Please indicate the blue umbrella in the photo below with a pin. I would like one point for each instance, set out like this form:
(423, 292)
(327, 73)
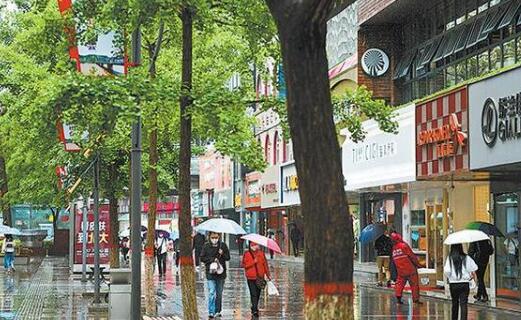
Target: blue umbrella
(371, 232)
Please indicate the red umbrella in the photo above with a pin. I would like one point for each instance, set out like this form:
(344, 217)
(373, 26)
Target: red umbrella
(263, 241)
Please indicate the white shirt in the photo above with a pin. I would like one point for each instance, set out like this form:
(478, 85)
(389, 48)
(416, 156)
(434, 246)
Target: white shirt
(468, 266)
(162, 245)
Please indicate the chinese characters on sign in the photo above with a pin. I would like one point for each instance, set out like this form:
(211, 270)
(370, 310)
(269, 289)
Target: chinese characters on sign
(104, 228)
(447, 137)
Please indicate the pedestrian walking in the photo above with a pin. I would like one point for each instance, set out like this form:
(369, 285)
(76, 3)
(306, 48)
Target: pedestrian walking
(271, 235)
(407, 265)
(480, 252)
(177, 252)
(161, 251)
(8, 251)
(214, 255)
(257, 274)
(295, 237)
(198, 243)
(125, 248)
(383, 246)
(460, 271)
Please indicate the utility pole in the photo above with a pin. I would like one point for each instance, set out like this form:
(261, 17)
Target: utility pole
(84, 229)
(135, 197)
(96, 230)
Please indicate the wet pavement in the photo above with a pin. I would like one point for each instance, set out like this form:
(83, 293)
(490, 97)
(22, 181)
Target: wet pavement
(47, 291)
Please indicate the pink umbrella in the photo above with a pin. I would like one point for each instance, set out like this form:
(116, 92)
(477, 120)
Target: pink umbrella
(263, 241)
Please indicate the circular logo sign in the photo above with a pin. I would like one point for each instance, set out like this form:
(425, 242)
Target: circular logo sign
(375, 62)
(489, 122)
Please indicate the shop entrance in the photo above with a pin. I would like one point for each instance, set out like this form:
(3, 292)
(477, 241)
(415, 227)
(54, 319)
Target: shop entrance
(435, 237)
(507, 219)
(379, 207)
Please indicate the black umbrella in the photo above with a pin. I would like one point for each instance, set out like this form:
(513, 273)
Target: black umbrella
(486, 227)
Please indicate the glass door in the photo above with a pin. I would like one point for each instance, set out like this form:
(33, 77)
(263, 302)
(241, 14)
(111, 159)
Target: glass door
(435, 239)
(507, 217)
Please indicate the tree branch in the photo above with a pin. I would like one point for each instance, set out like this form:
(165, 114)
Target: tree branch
(157, 47)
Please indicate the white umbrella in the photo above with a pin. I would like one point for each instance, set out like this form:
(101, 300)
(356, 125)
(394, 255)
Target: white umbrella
(466, 236)
(8, 230)
(221, 225)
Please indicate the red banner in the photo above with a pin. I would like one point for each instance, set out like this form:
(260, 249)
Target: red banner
(104, 238)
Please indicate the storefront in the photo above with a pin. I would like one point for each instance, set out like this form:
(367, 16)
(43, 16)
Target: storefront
(273, 218)
(448, 196)
(252, 203)
(378, 169)
(290, 201)
(495, 114)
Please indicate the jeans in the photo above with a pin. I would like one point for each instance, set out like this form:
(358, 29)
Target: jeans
(255, 293)
(8, 260)
(459, 293)
(295, 247)
(215, 296)
(161, 263)
(480, 273)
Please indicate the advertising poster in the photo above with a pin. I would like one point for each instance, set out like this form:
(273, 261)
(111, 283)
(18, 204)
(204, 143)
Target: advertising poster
(104, 232)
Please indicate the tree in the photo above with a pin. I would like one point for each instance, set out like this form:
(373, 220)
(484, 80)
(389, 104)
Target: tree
(328, 225)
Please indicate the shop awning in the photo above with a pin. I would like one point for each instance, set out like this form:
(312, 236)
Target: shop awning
(510, 15)
(404, 65)
(473, 37)
(493, 18)
(428, 52)
(462, 41)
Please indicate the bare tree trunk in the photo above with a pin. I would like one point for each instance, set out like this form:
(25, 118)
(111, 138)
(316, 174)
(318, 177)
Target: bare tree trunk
(150, 303)
(328, 226)
(4, 203)
(185, 152)
(113, 215)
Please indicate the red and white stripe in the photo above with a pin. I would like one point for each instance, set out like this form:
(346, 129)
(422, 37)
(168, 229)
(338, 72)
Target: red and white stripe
(433, 114)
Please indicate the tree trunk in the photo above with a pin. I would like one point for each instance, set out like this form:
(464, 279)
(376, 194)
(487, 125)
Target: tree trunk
(185, 152)
(328, 225)
(113, 216)
(150, 303)
(4, 203)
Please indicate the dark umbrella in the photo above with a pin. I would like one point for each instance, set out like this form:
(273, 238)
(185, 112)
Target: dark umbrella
(372, 232)
(486, 227)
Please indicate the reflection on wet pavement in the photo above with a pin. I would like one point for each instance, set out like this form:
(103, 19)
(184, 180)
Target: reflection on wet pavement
(49, 292)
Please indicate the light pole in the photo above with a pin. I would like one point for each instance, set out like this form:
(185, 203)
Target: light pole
(96, 231)
(135, 198)
(85, 229)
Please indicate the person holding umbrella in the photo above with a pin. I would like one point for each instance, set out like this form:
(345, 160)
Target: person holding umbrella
(383, 246)
(460, 271)
(480, 252)
(257, 273)
(8, 250)
(214, 256)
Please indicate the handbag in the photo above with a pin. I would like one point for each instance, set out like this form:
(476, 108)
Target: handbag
(272, 290)
(259, 282)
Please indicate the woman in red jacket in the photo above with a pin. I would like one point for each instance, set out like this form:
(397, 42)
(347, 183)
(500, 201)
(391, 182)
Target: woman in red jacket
(255, 267)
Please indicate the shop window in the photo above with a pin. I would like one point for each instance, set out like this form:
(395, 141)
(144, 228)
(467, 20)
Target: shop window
(418, 231)
(495, 58)
(483, 63)
(472, 67)
(276, 148)
(509, 53)
(450, 76)
(461, 71)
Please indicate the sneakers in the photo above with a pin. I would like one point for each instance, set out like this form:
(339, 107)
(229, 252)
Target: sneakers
(211, 317)
(218, 315)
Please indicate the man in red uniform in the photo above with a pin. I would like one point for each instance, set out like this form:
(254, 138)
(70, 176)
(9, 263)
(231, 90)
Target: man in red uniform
(407, 265)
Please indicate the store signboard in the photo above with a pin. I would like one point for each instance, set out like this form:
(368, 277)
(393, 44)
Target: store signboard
(382, 158)
(223, 199)
(442, 135)
(270, 186)
(253, 190)
(104, 229)
(495, 120)
(289, 195)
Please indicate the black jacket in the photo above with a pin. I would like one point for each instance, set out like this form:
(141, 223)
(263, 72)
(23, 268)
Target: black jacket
(199, 241)
(481, 251)
(383, 246)
(210, 253)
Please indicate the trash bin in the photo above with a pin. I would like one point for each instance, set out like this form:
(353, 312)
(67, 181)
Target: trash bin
(119, 294)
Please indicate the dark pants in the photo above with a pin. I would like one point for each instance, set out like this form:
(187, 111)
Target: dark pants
(459, 293)
(295, 247)
(255, 293)
(480, 273)
(198, 256)
(271, 254)
(161, 263)
(177, 255)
